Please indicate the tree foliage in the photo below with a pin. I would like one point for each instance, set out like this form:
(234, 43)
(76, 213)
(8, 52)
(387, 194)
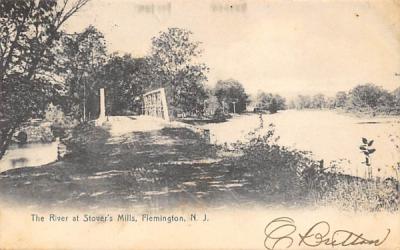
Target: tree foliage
(365, 98)
(396, 96)
(175, 66)
(319, 101)
(125, 79)
(367, 95)
(270, 102)
(231, 95)
(340, 99)
(302, 102)
(29, 30)
(80, 59)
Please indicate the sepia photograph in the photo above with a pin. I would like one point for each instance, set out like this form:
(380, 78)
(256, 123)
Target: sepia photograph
(215, 124)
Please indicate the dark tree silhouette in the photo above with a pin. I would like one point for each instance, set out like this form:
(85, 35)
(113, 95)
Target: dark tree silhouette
(29, 29)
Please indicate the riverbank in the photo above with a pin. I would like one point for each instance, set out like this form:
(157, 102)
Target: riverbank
(367, 113)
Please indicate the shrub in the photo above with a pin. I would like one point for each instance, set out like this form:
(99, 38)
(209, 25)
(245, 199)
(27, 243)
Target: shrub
(356, 194)
(60, 123)
(270, 168)
(273, 107)
(220, 116)
(82, 137)
(281, 174)
(22, 137)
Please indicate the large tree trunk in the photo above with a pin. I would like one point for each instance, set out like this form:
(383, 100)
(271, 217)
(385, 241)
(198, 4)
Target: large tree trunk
(5, 139)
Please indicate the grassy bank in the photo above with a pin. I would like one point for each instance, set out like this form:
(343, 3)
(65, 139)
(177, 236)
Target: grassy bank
(382, 112)
(291, 176)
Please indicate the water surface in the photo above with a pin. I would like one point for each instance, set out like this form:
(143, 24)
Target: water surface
(327, 134)
(29, 155)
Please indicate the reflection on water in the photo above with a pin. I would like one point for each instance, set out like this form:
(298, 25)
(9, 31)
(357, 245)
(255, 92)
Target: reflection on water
(19, 162)
(29, 155)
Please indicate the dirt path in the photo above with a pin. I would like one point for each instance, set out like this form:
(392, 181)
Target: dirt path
(128, 163)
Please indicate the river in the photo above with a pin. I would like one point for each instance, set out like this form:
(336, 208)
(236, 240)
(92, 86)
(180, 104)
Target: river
(29, 155)
(327, 134)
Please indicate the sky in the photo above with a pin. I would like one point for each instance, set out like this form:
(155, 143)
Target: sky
(285, 47)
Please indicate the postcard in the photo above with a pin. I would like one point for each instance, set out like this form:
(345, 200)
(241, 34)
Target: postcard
(215, 124)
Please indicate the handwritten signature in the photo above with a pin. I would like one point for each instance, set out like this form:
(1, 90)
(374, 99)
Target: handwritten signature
(280, 233)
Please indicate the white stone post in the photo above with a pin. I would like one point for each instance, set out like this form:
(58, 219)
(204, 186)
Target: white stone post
(102, 104)
(102, 116)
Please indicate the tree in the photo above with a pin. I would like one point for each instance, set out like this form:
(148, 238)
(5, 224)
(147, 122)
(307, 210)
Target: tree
(318, 101)
(366, 96)
(126, 79)
(340, 99)
(280, 101)
(174, 59)
(302, 102)
(268, 101)
(28, 31)
(231, 95)
(263, 100)
(396, 96)
(386, 99)
(212, 104)
(273, 107)
(81, 58)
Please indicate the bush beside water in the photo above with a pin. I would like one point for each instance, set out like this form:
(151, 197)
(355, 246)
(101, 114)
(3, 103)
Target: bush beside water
(292, 177)
(35, 132)
(220, 116)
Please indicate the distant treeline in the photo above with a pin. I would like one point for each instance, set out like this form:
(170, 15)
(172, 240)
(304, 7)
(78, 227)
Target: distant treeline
(269, 102)
(366, 98)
